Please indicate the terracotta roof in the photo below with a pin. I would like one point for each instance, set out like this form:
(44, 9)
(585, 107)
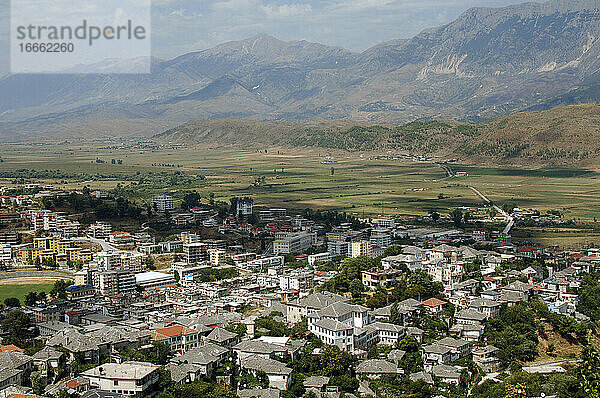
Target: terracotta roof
(73, 383)
(24, 396)
(434, 302)
(11, 347)
(176, 330)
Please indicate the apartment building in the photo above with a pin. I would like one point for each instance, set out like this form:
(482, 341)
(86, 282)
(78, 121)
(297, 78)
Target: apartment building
(114, 283)
(286, 243)
(163, 203)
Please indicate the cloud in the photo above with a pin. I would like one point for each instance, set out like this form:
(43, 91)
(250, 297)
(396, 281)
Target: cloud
(191, 25)
(287, 10)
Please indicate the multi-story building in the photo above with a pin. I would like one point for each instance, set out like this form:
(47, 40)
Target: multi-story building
(5, 253)
(293, 242)
(301, 281)
(194, 252)
(120, 260)
(339, 248)
(119, 237)
(384, 222)
(114, 283)
(379, 278)
(217, 256)
(127, 378)
(163, 203)
(344, 325)
(360, 248)
(244, 206)
(179, 338)
(100, 229)
(381, 238)
(313, 258)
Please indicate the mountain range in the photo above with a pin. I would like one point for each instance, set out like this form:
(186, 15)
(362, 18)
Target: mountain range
(487, 63)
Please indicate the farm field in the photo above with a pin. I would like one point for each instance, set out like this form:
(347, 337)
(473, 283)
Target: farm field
(321, 179)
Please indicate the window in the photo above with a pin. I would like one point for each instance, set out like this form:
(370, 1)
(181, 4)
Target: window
(115, 382)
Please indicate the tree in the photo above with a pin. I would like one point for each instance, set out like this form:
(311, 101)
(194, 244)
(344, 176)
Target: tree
(17, 324)
(31, 298)
(515, 391)
(435, 216)
(59, 288)
(12, 302)
(457, 216)
(588, 372)
(356, 287)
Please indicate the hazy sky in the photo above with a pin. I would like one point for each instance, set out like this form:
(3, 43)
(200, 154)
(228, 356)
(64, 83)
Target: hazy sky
(180, 26)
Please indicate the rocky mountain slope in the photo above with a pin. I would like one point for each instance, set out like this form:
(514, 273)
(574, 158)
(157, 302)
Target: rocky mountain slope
(489, 62)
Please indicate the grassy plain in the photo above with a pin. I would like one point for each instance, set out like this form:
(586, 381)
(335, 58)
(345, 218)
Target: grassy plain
(18, 289)
(303, 178)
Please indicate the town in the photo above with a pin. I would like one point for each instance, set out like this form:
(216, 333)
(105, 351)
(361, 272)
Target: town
(196, 298)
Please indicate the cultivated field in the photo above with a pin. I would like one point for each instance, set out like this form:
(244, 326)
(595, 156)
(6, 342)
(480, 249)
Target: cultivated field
(301, 178)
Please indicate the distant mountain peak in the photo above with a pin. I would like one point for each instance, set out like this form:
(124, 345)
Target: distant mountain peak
(486, 63)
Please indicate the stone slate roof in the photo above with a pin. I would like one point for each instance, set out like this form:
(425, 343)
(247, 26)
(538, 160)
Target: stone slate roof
(258, 347)
(445, 372)
(74, 341)
(259, 393)
(318, 301)
(332, 324)
(269, 366)
(453, 343)
(179, 372)
(13, 359)
(421, 376)
(436, 349)
(396, 355)
(47, 353)
(377, 366)
(221, 335)
(316, 381)
(470, 314)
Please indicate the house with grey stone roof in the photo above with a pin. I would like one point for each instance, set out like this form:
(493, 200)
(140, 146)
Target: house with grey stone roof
(375, 368)
(222, 337)
(258, 348)
(302, 307)
(426, 377)
(278, 374)
(447, 374)
(396, 356)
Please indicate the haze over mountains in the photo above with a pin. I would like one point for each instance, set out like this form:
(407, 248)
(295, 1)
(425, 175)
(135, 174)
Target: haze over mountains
(487, 63)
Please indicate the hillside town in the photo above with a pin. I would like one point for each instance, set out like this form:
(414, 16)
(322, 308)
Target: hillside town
(233, 299)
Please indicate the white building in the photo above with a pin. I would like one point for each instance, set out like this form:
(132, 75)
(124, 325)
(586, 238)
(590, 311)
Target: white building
(313, 258)
(5, 253)
(244, 206)
(163, 203)
(286, 243)
(300, 281)
(127, 378)
(360, 248)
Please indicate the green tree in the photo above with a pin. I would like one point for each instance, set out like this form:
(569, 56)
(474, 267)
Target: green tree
(588, 372)
(457, 216)
(31, 298)
(12, 302)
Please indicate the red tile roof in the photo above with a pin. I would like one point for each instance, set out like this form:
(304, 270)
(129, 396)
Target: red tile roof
(434, 302)
(176, 330)
(11, 347)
